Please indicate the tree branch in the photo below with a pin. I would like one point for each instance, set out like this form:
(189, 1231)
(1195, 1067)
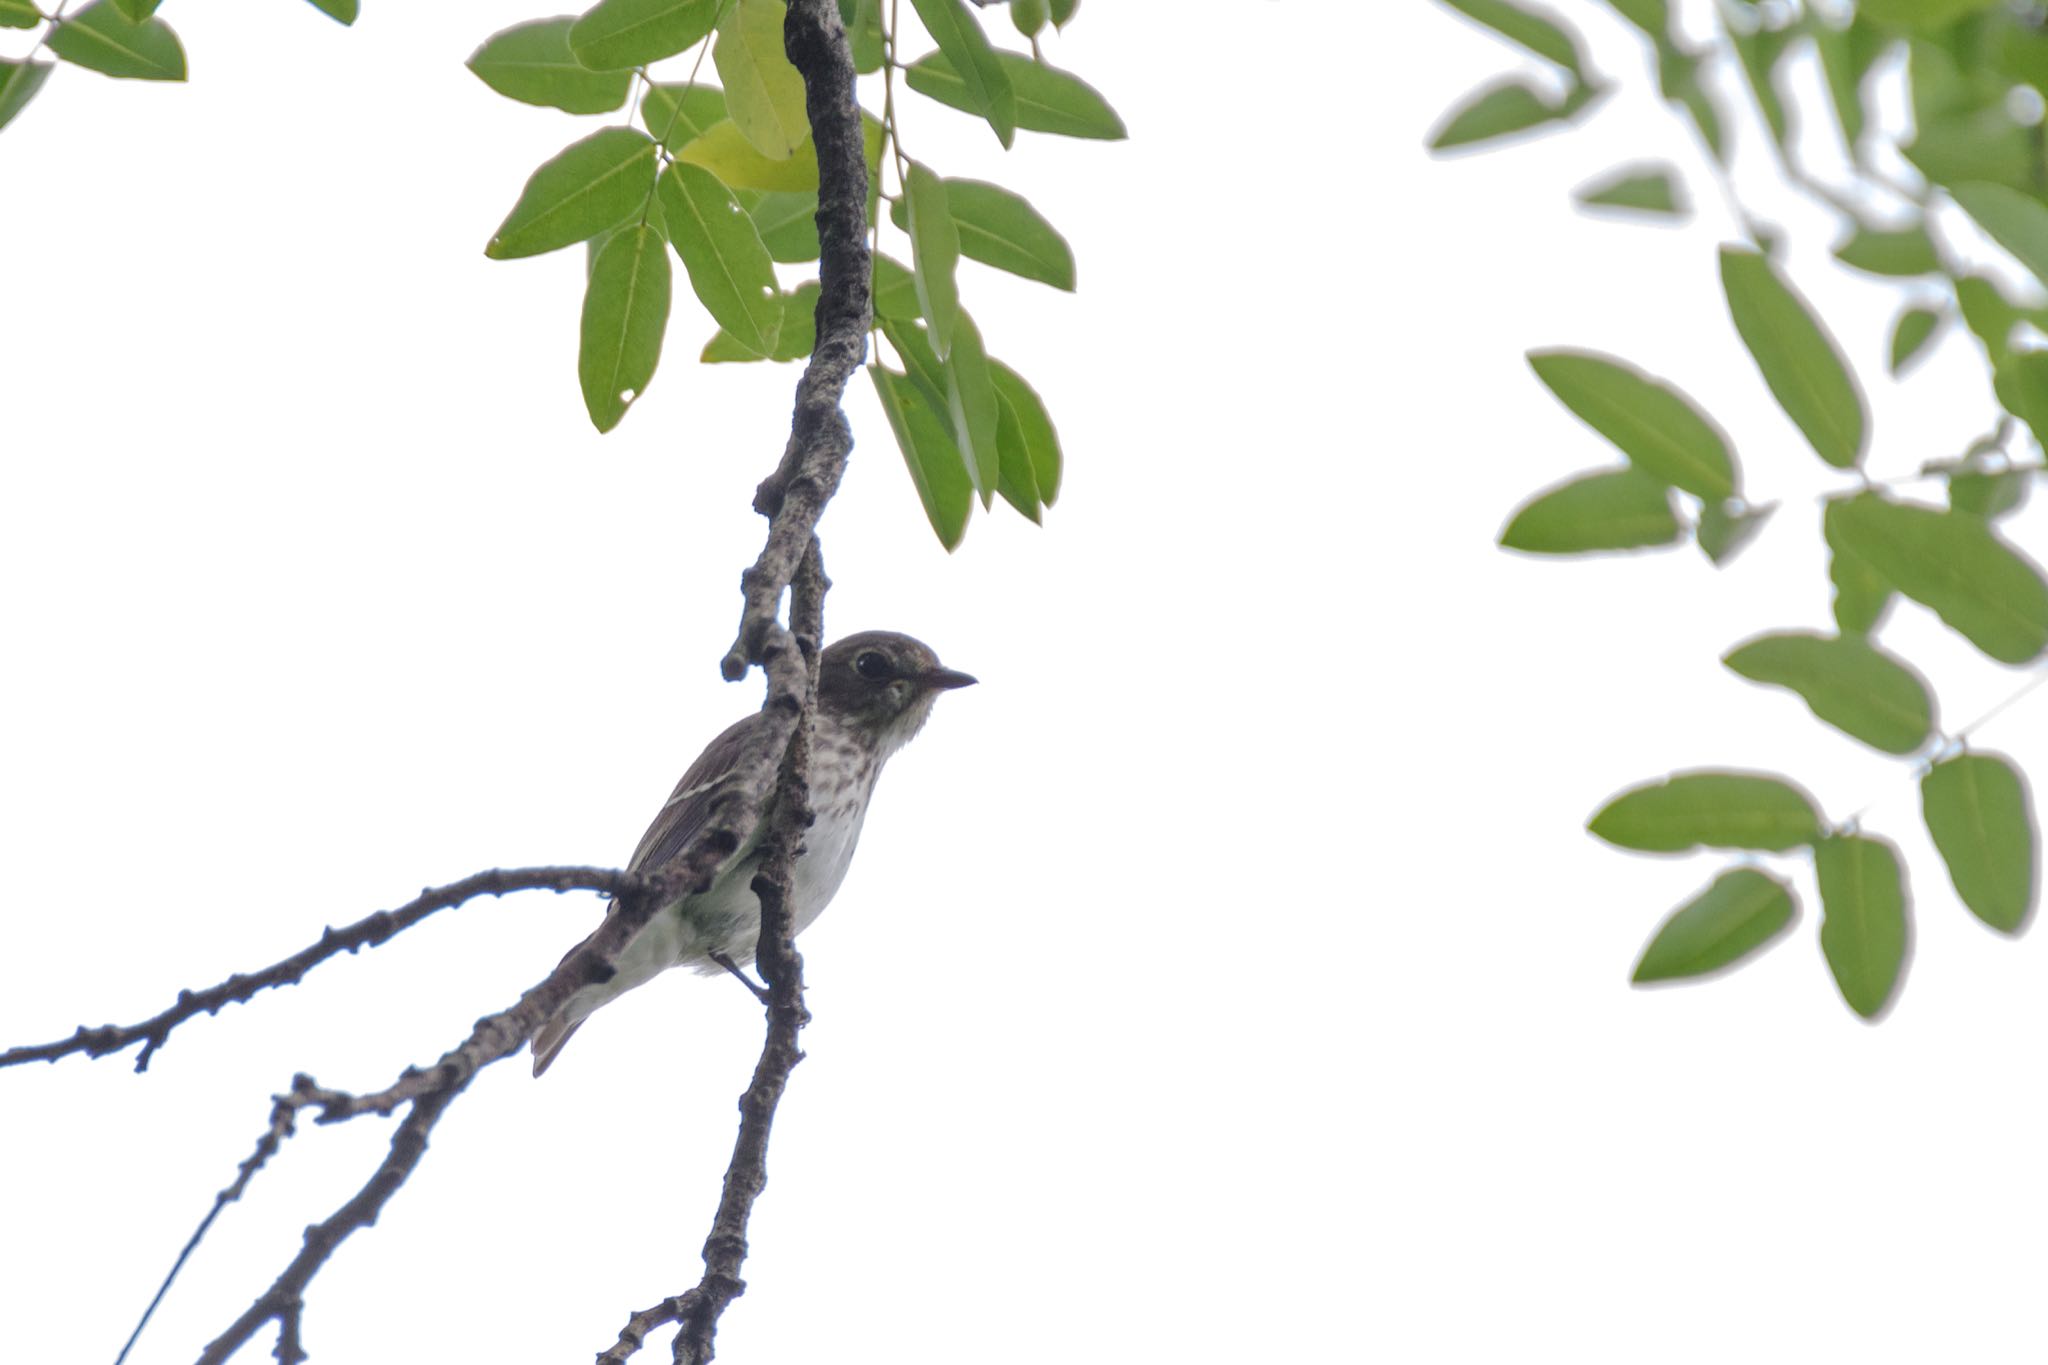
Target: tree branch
(368, 932)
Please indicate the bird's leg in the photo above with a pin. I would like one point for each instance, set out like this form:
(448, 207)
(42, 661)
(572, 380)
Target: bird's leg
(760, 991)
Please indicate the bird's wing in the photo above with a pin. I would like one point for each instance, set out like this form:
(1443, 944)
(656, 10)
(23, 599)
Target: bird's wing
(689, 806)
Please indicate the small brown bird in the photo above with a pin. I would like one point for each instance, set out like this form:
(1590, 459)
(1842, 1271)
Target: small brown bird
(875, 691)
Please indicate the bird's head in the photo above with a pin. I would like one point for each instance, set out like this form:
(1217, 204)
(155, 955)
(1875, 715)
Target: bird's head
(884, 684)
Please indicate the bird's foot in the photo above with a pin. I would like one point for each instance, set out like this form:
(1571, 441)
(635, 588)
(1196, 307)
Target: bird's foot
(760, 991)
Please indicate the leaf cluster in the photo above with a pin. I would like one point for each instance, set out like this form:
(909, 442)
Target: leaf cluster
(1969, 71)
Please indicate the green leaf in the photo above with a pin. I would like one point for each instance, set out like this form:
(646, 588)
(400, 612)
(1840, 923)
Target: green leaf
(1894, 251)
(1724, 528)
(1799, 360)
(971, 402)
(19, 82)
(1015, 478)
(1028, 16)
(625, 311)
(1925, 15)
(725, 152)
(1001, 229)
(19, 14)
(1653, 17)
(1678, 77)
(614, 34)
(677, 115)
(1736, 916)
(1502, 109)
(1650, 421)
(1651, 189)
(1846, 55)
(729, 269)
(135, 11)
(1862, 594)
(1624, 509)
(100, 38)
(1914, 329)
(532, 63)
(934, 254)
(1978, 813)
(1955, 564)
(1041, 443)
(1533, 29)
(1863, 918)
(1988, 314)
(798, 335)
(1048, 100)
(764, 95)
(913, 346)
(1063, 12)
(1710, 808)
(1980, 145)
(984, 82)
(2021, 382)
(1988, 494)
(343, 12)
(935, 464)
(1760, 52)
(585, 188)
(2018, 222)
(864, 33)
(1847, 682)
(895, 290)
(788, 224)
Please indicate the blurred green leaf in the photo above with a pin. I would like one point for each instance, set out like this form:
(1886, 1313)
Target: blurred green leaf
(625, 312)
(1739, 914)
(1978, 813)
(1063, 11)
(1863, 918)
(1028, 16)
(1638, 189)
(1846, 56)
(1623, 509)
(1724, 528)
(2018, 222)
(532, 63)
(1988, 494)
(1861, 593)
(1534, 29)
(677, 115)
(1924, 15)
(764, 95)
(794, 340)
(1847, 682)
(788, 224)
(19, 14)
(136, 11)
(1653, 17)
(616, 34)
(971, 403)
(1048, 100)
(1040, 441)
(895, 290)
(1502, 109)
(1954, 564)
(585, 188)
(1001, 229)
(1914, 329)
(1799, 360)
(1711, 808)
(1988, 314)
(19, 82)
(1896, 251)
(984, 82)
(101, 38)
(936, 468)
(1678, 77)
(1760, 51)
(2021, 382)
(864, 36)
(934, 254)
(341, 11)
(1656, 426)
(730, 271)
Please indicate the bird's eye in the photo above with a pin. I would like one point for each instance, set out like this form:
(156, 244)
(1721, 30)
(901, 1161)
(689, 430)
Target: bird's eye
(872, 665)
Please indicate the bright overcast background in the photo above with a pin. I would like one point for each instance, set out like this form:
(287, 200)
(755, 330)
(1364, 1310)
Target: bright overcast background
(1228, 977)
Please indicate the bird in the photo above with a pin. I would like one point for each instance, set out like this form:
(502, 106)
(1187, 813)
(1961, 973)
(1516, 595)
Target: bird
(875, 692)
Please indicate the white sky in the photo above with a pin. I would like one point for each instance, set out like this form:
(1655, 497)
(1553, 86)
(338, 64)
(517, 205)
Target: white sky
(1228, 977)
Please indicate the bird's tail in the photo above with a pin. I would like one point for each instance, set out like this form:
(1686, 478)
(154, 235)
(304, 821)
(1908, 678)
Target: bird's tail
(548, 1042)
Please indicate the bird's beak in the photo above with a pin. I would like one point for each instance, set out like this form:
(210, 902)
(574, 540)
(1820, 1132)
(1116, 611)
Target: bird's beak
(945, 679)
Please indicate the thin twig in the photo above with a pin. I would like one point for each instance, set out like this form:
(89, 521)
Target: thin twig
(368, 932)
